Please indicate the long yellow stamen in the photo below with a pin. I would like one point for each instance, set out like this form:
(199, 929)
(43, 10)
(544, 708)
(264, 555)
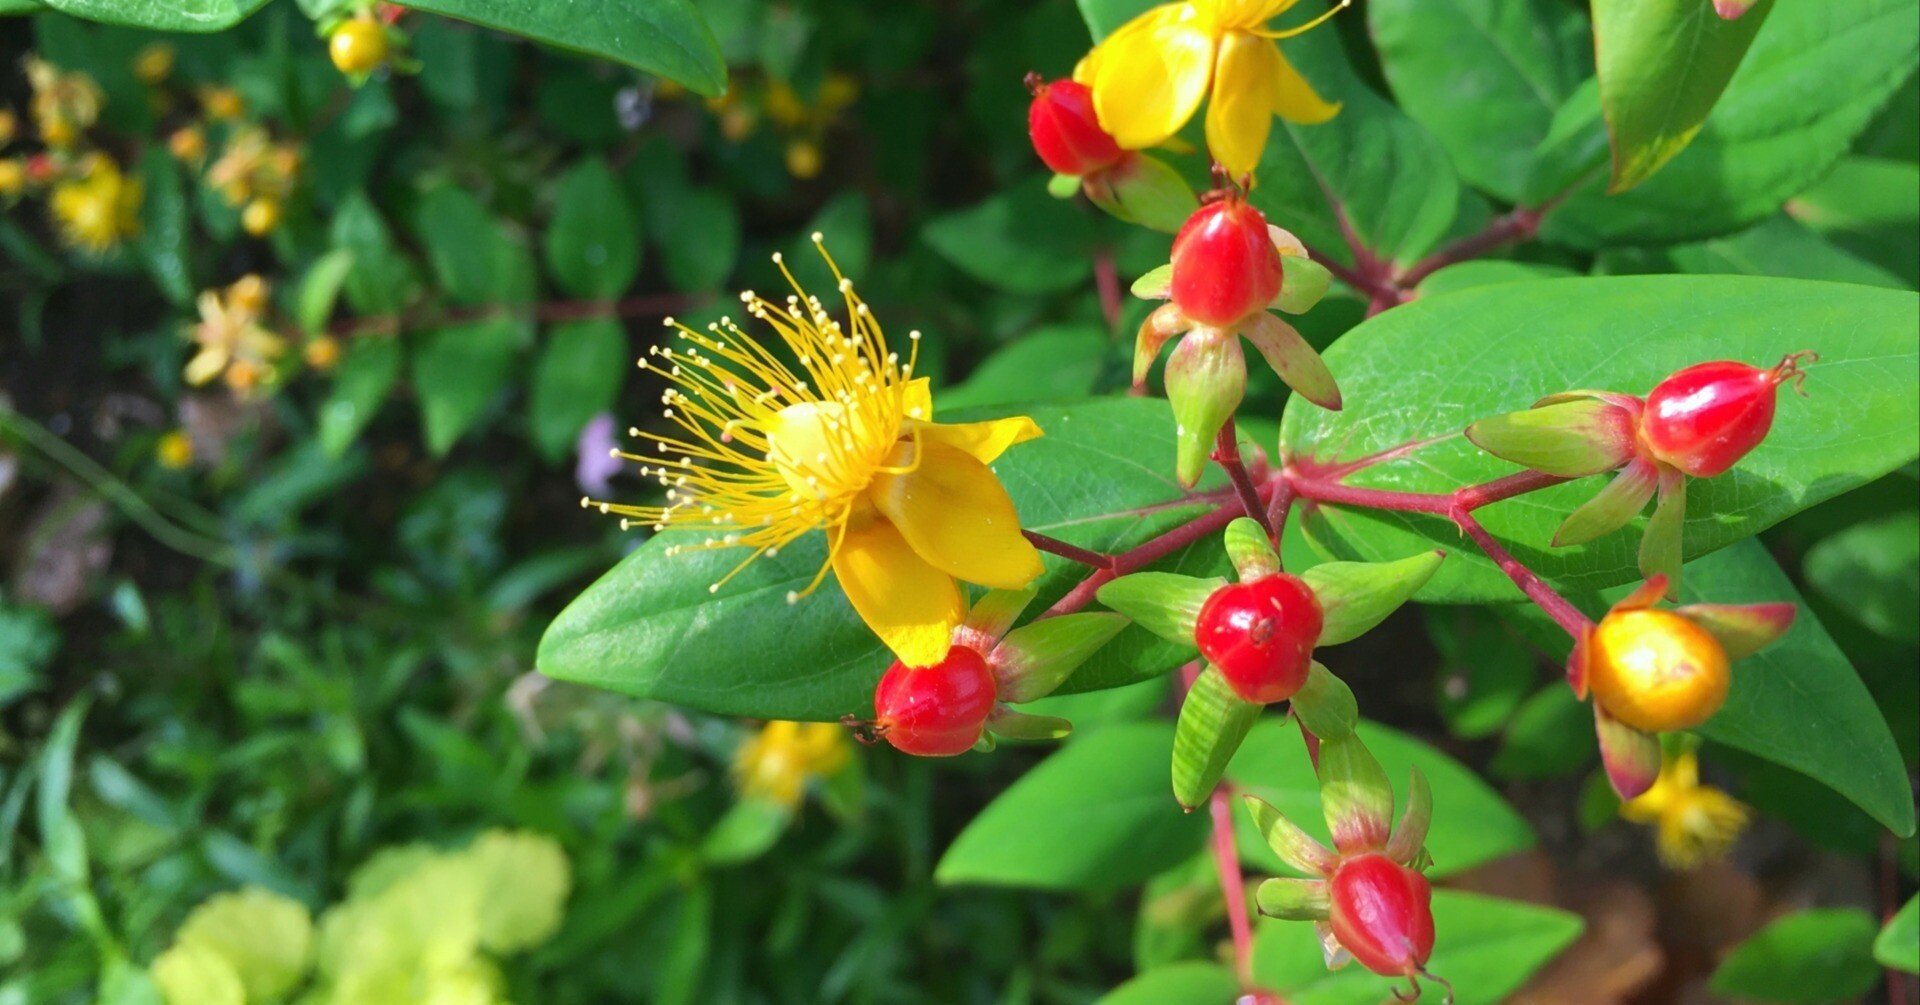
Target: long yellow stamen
(1302, 29)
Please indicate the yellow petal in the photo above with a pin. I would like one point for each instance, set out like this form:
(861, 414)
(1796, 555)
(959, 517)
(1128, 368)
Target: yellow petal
(912, 606)
(984, 441)
(917, 400)
(1241, 14)
(206, 365)
(1240, 114)
(956, 515)
(1295, 100)
(1151, 75)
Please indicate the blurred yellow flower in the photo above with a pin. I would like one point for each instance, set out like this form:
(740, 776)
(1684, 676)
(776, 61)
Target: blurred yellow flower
(778, 762)
(260, 217)
(98, 207)
(232, 340)
(13, 177)
(175, 450)
(1150, 75)
(1693, 823)
(803, 159)
(188, 144)
(9, 126)
(252, 168)
(153, 64)
(846, 445)
(322, 353)
(63, 103)
(222, 103)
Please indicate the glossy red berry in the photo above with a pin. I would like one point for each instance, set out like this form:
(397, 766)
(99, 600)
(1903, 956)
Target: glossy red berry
(1706, 417)
(1066, 133)
(1261, 635)
(1225, 266)
(936, 711)
(1382, 913)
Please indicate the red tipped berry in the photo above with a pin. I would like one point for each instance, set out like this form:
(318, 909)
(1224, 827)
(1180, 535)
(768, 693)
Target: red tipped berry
(1225, 267)
(1706, 417)
(936, 711)
(1066, 133)
(1382, 913)
(1261, 635)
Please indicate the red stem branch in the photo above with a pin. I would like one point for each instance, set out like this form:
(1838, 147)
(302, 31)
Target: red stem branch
(1563, 613)
(1521, 224)
(1070, 552)
(1226, 453)
(1233, 885)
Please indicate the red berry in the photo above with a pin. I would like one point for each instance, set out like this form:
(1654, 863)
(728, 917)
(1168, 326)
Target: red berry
(936, 711)
(1225, 266)
(1066, 132)
(1383, 914)
(1261, 635)
(1706, 417)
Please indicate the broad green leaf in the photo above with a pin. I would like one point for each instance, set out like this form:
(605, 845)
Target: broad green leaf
(367, 371)
(164, 227)
(1870, 207)
(1485, 946)
(1488, 272)
(667, 38)
(1871, 571)
(1485, 76)
(1020, 239)
(576, 378)
(1833, 64)
(475, 259)
(1187, 983)
(1898, 946)
(28, 640)
(1046, 365)
(1472, 825)
(1812, 956)
(593, 240)
(745, 831)
(1510, 344)
(1484, 673)
(650, 628)
(1389, 176)
(162, 15)
(320, 288)
(1550, 735)
(266, 938)
(845, 226)
(458, 369)
(699, 238)
(1780, 246)
(382, 279)
(1094, 816)
(1103, 16)
(1662, 64)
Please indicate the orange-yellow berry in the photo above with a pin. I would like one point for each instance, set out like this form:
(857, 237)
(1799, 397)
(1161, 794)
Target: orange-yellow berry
(358, 46)
(1655, 670)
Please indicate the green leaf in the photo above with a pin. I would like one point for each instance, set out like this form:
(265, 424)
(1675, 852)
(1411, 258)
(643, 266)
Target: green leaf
(1485, 669)
(1213, 721)
(1485, 76)
(1662, 64)
(1472, 825)
(745, 831)
(1515, 342)
(593, 240)
(1750, 156)
(667, 38)
(699, 239)
(1871, 208)
(1780, 246)
(474, 258)
(193, 975)
(164, 227)
(266, 938)
(367, 371)
(1094, 816)
(458, 369)
(162, 15)
(1019, 239)
(576, 378)
(1188, 983)
(1551, 735)
(320, 288)
(1051, 364)
(650, 627)
(1485, 946)
(1809, 956)
(1388, 175)
(1871, 571)
(1898, 946)
(523, 880)
(382, 279)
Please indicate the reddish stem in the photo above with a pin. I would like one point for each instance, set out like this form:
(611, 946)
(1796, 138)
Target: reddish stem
(1563, 613)
(1153, 550)
(1312, 743)
(1106, 279)
(1226, 453)
(1233, 885)
(1522, 224)
(1071, 552)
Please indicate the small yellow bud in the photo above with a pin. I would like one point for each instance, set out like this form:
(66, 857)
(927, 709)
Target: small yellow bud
(9, 126)
(783, 105)
(249, 294)
(358, 46)
(57, 132)
(153, 64)
(174, 451)
(260, 217)
(736, 124)
(1656, 671)
(13, 178)
(323, 353)
(188, 144)
(838, 91)
(242, 376)
(222, 103)
(803, 159)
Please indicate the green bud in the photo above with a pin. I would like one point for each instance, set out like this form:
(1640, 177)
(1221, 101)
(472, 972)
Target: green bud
(1570, 438)
(1206, 378)
(1356, 596)
(1355, 795)
(1296, 362)
(1213, 721)
(1164, 603)
(1293, 899)
(1249, 550)
(1063, 186)
(1325, 705)
(1144, 190)
(1032, 661)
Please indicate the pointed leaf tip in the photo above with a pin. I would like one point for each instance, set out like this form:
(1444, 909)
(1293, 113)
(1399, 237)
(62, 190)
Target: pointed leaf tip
(1743, 629)
(1631, 757)
(1356, 596)
(1034, 660)
(1294, 360)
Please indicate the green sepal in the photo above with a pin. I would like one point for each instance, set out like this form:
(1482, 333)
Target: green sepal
(1156, 284)
(1294, 846)
(1572, 439)
(1356, 596)
(1033, 660)
(1355, 795)
(990, 617)
(1206, 378)
(1742, 629)
(1411, 832)
(1213, 721)
(1619, 502)
(1325, 705)
(320, 289)
(1144, 190)
(1631, 757)
(1063, 186)
(1304, 283)
(1010, 725)
(1156, 328)
(1660, 545)
(1249, 550)
(1164, 603)
(1293, 899)
(1293, 359)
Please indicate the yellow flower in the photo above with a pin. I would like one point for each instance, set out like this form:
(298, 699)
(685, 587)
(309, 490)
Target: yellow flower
(1149, 77)
(63, 103)
(174, 451)
(322, 353)
(153, 63)
(231, 338)
(767, 452)
(779, 761)
(1693, 823)
(260, 217)
(97, 208)
(251, 168)
(222, 103)
(188, 144)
